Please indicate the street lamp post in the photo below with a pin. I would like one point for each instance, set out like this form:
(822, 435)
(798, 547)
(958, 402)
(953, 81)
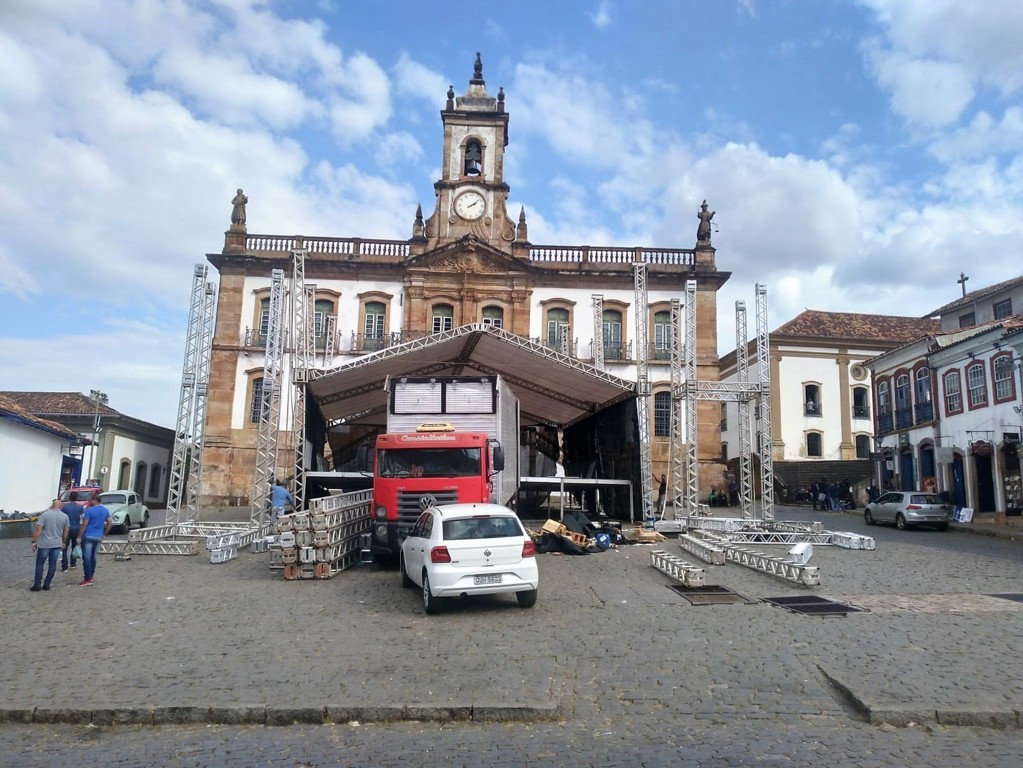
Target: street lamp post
(98, 398)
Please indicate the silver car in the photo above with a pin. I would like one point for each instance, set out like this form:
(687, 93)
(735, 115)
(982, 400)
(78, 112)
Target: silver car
(909, 508)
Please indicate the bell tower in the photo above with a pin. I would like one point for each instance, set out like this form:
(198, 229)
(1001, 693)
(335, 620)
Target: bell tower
(472, 194)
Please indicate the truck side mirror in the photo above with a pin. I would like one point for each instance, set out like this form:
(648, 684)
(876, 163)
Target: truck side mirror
(498, 458)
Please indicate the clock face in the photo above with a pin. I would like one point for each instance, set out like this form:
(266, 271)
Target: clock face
(470, 205)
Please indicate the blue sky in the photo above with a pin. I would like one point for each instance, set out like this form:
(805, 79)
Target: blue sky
(859, 155)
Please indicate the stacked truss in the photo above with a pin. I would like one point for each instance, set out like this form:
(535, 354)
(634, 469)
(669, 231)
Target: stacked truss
(675, 454)
(765, 429)
(643, 404)
(187, 455)
(269, 403)
(598, 331)
(303, 297)
(745, 426)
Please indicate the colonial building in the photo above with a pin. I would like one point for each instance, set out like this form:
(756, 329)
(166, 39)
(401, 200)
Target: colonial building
(33, 454)
(468, 261)
(948, 406)
(821, 392)
(109, 447)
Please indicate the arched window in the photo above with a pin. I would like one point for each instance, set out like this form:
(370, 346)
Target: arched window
(662, 414)
(473, 162)
(862, 447)
(813, 444)
(662, 336)
(612, 335)
(884, 403)
(256, 403)
(375, 313)
(724, 453)
(977, 383)
(124, 474)
(903, 405)
(557, 329)
(811, 400)
(493, 316)
(443, 317)
(923, 408)
(1005, 382)
(324, 308)
(953, 393)
(861, 403)
(140, 479)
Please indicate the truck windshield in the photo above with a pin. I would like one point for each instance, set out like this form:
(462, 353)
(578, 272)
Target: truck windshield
(429, 462)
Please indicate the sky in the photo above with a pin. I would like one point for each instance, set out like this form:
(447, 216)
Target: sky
(859, 154)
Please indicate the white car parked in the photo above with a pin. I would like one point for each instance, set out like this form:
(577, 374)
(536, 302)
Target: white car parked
(456, 550)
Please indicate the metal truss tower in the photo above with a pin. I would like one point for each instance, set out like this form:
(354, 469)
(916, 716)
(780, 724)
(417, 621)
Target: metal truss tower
(765, 430)
(643, 404)
(270, 402)
(187, 455)
(303, 298)
(745, 426)
(675, 447)
(691, 387)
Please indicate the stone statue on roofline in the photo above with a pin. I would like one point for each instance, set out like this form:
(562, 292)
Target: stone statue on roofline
(703, 231)
(238, 211)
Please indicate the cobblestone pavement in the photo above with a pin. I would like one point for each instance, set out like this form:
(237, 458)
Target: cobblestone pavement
(181, 661)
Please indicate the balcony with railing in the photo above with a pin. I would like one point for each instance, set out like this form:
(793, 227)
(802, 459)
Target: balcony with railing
(924, 412)
(564, 346)
(903, 417)
(885, 422)
(810, 408)
(861, 411)
(615, 352)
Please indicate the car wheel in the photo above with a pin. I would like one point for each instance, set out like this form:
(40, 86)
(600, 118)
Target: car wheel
(145, 521)
(431, 604)
(526, 599)
(127, 524)
(867, 517)
(405, 580)
(900, 522)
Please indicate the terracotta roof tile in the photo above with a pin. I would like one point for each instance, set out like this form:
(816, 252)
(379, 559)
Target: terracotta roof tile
(852, 325)
(976, 295)
(10, 409)
(58, 403)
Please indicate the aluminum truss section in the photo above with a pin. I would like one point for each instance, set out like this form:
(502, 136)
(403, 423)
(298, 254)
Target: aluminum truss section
(689, 398)
(303, 297)
(703, 549)
(270, 403)
(202, 384)
(330, 331)
(766, 435)
(197, 345)
(676, 457)
(745, 426)
(643, 404)
(598, 331)
(688, 574)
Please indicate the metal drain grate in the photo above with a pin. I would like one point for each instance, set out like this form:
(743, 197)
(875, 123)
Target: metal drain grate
(1014, 596)
(710, 594)
(813, 605)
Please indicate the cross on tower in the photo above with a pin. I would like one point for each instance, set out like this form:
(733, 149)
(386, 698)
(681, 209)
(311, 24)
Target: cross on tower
(962, 282)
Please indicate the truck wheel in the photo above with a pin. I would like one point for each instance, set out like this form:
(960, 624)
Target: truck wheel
(526, 599)
(405, 580)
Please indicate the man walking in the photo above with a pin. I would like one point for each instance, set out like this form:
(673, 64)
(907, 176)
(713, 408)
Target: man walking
(96, 524)
(74, 511)
(48, 539)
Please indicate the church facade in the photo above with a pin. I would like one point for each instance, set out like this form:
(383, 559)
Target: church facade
(469, 261)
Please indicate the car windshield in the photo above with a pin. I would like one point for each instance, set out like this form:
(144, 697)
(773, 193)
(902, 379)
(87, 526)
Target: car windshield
(113, 498)
(924, 498)
(486, 527)
(77, 495)
(429, 462)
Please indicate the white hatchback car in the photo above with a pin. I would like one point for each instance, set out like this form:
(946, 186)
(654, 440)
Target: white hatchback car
(456, 550)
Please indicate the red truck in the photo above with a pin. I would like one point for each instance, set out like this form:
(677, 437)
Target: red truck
(445, 443)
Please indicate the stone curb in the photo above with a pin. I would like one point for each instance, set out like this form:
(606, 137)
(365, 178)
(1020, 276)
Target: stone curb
(277, 716)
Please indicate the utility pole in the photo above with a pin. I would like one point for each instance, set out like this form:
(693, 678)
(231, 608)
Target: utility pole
(98, 398)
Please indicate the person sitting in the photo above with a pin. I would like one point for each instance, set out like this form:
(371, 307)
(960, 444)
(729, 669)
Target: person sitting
(712, 498)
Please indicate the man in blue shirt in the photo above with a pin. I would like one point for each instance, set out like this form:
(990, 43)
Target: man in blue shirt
(95, 525)
(74, 511)
(280, 496)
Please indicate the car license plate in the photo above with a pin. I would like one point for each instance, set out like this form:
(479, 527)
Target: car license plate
(487, 578)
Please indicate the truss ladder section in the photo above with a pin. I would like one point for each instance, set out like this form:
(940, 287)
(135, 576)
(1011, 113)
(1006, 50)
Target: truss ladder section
(643, 404)
(270, 402)
(676, 456)
(703, 549)
(303, 298)
(691, 400)
(686, 573)
(745, 426)
(766, 434)
(202, 383)
(183, 429)
(598, 331)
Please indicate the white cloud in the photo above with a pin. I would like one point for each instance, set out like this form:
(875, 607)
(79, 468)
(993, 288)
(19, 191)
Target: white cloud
(601, 18)
(924, 91)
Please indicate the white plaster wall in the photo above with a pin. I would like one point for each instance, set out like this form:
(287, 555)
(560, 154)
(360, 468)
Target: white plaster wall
(133, 451)
(30, 462)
